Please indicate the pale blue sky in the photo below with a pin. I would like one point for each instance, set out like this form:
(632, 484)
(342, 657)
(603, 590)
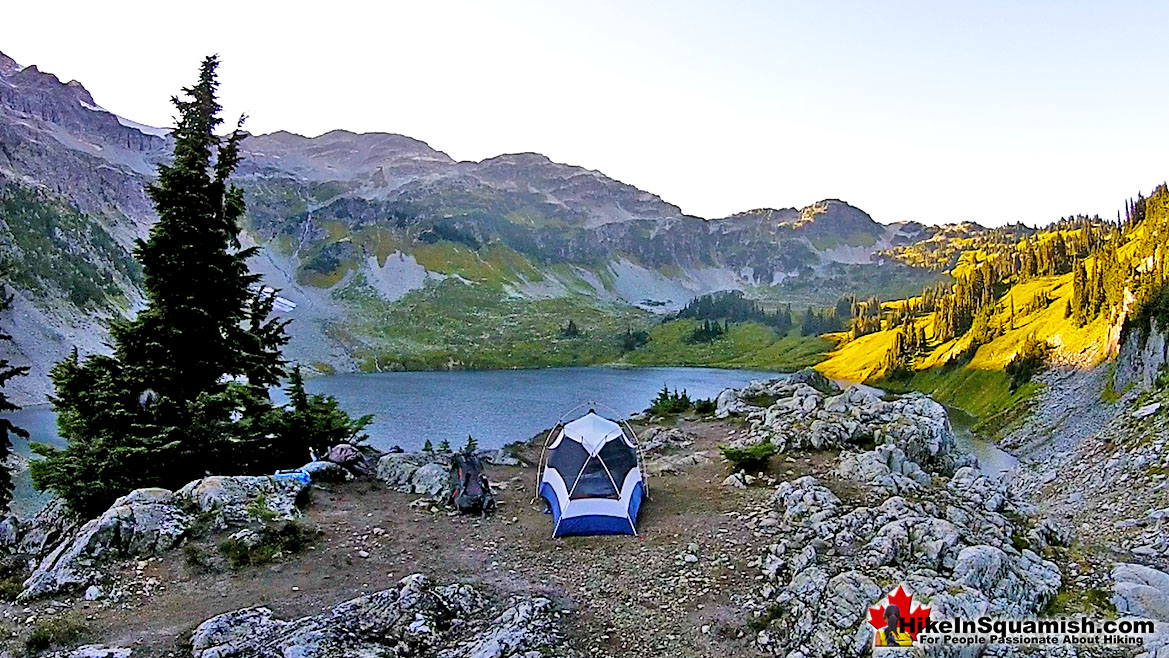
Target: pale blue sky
(932, 111)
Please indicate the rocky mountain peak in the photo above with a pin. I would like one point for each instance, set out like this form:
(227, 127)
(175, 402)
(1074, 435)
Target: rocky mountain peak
(837, 216)
(8, 65)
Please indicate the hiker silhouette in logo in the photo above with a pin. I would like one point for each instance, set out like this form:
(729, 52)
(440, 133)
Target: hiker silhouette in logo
(891, 635)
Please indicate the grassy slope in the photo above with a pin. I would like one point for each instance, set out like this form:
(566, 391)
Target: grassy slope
(477, 325)
(746, 345)
(979, 387)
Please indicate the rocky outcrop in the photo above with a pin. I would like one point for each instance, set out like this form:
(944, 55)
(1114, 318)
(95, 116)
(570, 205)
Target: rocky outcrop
(422, 473)
(414, 618)
(226, 501)
(142, 523)
(885, 468)
(147, 522)
(804, 410)
(832, 559)
(1142, 358)
(1141, 591)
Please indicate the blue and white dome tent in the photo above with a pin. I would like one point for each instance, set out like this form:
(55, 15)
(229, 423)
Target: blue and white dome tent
(591, 473)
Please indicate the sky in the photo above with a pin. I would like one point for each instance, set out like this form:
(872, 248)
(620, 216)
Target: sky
(931, 111)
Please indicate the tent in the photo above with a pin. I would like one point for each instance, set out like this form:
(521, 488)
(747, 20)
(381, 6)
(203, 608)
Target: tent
(591, 476)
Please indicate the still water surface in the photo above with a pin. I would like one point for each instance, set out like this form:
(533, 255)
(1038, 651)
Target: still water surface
(497, 407)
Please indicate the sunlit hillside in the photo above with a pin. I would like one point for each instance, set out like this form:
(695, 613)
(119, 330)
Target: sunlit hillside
(1015, 303)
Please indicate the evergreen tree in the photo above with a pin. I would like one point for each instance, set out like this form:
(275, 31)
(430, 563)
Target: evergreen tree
(186, 390)
(471, 447)
(7, 428)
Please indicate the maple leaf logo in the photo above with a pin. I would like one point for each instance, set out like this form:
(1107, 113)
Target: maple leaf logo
(912, 621)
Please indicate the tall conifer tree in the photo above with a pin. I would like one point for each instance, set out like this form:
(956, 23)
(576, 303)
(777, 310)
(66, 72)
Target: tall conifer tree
(7, 428)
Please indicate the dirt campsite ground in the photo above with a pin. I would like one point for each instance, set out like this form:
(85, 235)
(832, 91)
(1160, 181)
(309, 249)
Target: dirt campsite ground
(672, 591)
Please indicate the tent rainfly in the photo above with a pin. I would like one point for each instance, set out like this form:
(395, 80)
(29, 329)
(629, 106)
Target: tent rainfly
(591, 477)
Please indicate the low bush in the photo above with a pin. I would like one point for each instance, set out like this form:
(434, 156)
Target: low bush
(62, 630)
(705, 407)
(291, 537)
(753, 458)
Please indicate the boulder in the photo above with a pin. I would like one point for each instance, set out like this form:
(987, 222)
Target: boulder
(976, 487)
(885, 468)
(675, 464)
(142, 523)
(1140, 591)
(1015, 585)
(92, 651)
(501, 457)
(659, 439)
(10, 530)
(242, 499)
(397, 468)
(47, 528)
(432, 480)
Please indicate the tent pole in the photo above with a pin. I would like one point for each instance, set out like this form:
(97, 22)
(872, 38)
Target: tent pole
(636, 444)
(540, 464)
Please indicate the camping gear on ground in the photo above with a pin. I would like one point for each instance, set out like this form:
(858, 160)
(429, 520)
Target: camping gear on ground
(293, 474)
(470, 489)
(592, 477)
(350, 457)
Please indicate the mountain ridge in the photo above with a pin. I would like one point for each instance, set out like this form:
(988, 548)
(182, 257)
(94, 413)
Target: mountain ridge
(344, 220)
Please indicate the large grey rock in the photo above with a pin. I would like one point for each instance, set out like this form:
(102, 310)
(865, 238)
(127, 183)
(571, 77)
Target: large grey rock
(431, 480)
(10, 531)
(885, 468)
(1016, 584)
(806, 411)
(142, 523)
(396, 469)
(47, 528)
(978, 488)
(1141, 591)
(413, 619)
(228, 501)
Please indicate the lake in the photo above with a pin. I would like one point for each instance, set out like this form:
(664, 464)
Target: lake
(497, 407)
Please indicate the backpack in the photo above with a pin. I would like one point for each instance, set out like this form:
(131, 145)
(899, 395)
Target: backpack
(470, 489)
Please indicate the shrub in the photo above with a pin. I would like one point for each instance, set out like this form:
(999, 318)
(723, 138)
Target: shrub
(668, 402)
(705, 407)
(58, 631)
(291, 538)
(632, 340)
(259, 509)
(10, 588)
(753, 458)
(1027, 361)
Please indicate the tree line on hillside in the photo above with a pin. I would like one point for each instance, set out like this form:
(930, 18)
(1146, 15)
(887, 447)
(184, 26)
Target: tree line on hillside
(733, 306)
(1106, 261)
(186, 391)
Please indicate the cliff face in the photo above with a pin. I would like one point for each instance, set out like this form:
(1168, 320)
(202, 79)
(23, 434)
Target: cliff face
(1142, 358)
